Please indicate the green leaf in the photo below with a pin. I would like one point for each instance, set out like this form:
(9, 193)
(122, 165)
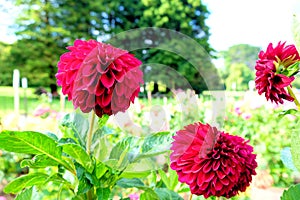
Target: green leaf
(80, 197)
(173, 176)
(293, 193)
(289, 111)
(184, 189)
(57, 178)
(125, 150)
(51, 135)
(160, 140)
(291, 70)
(141, 168)
(165, 194)
(30, 142)
(100, 169)
(111, 163)
(102, 121)
(80, 155)
(286, 158)
(38, 161)
(149, 194)
(18, 184)
(103, 193)
(155, 144)
(28, 194)
(78, 124)
(99, 149)
(130, 183)
(295, 146)
(84, 183)
(164, 178)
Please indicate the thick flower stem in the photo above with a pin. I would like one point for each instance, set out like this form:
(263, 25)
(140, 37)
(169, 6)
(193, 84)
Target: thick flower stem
(90, 194)
(294, 96)
(191, 196)
(90, 133)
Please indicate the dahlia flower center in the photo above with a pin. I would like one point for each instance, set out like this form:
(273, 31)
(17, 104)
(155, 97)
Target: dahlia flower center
(220, 150)
(281, 65)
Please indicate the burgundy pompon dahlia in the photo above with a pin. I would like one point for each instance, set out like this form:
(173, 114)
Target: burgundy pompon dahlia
(211, 162)
(99, 77)
(270, 67)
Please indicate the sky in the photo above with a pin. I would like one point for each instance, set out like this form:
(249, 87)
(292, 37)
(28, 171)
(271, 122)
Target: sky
(254, 22)
(6, 20)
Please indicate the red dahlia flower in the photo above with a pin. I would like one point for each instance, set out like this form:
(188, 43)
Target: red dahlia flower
(271, 66)
(99, 77)
(211, 162)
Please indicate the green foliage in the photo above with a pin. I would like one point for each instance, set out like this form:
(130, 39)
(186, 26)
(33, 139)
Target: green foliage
(266, 135)
(239, 63)
(39, 161)
(239, 77)
(45, 28)
(296, 31)
(286, 157)
(293, 193)
(295, 146)
(172, 181)
(18, 184)
(103, 193)
(150, 193)
(75, 126)
(28, 194)
(32, 143)
(79, 155)
(6, 70)
(72, 168)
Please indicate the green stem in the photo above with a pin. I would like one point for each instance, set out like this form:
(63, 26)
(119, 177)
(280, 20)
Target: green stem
(90, 133)
(90, 194)
(88, 147)
(294, 96)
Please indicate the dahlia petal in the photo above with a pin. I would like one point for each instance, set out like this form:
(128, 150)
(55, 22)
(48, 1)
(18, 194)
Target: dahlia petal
(216, 165)
(107, 80)
(218, 185)
(204, 185)
(224, 181)
(220, 174)
(210, 176)
(106, 99)
(207, 167)
(119, 76)
(267, 79)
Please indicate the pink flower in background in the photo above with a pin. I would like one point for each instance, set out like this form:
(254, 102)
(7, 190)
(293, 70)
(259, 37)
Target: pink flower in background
(134, 197)
(238, 110)
(246, 115)
(41, 110)
(2, 198)
(99, 77)
(269, 71)
(211, 162)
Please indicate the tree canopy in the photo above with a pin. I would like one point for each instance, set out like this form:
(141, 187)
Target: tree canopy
(46, 27)
(239, 63)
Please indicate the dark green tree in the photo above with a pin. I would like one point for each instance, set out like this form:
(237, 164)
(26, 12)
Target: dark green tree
(239, 63)
(184, 16)
(46, 27)
(6, 70)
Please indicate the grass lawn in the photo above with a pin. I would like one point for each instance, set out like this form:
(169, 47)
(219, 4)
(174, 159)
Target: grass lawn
(33, 100)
